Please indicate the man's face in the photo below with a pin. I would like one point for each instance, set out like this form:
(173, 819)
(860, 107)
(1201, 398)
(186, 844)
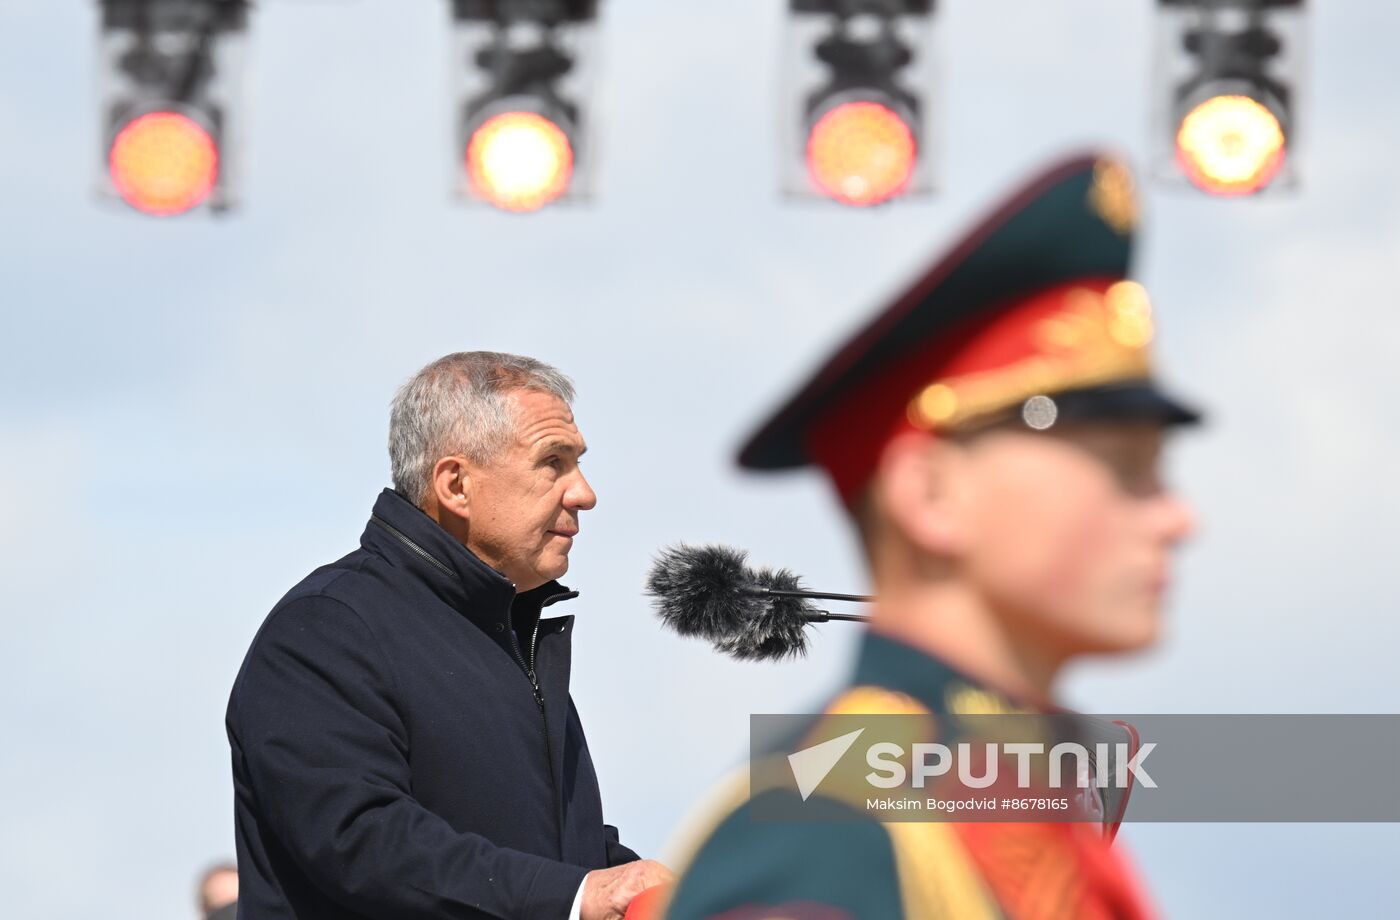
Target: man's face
(1071, 532)
(525, 505)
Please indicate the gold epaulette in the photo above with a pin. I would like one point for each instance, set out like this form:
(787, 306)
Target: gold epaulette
(937, 878)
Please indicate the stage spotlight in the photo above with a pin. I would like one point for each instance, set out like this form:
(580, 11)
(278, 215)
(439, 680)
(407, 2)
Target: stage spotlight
(522, 84)
(170, 71)
(859, 119)
(519, 161)
(1228, 117)
(163, 163)
(1230, 145)
(861, 152)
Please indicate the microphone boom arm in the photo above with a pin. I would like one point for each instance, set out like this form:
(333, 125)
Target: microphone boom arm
(756, 591)
(821, 616)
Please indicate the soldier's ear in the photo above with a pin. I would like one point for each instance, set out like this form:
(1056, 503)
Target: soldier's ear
(920, 491)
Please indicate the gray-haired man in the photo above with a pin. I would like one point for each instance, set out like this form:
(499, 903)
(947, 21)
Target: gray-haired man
(403, 740)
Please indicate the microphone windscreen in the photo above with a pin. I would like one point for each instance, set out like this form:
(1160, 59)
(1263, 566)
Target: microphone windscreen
(697, 591)
(778, 629)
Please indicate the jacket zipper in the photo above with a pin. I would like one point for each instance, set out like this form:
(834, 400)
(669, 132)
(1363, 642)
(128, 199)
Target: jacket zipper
(529, 663)
(529, 669)
(534, 640)
(433, 560)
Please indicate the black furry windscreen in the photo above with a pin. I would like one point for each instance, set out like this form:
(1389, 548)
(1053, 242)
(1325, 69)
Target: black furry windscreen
(702, 591)
(778, 629)
(696, 590)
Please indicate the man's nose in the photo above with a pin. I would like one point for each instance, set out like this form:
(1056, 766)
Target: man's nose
(581, 495)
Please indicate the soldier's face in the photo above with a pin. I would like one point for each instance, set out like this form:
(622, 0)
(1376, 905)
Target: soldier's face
(525, 504)
(1070, 533)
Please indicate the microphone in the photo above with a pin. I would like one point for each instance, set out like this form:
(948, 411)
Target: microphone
(749, 614)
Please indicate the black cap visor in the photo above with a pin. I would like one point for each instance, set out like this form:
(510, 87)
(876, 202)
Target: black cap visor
(1130, 401)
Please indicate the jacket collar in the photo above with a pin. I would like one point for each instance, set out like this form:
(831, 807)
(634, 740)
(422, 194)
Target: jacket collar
(403, 533)
(887, 662)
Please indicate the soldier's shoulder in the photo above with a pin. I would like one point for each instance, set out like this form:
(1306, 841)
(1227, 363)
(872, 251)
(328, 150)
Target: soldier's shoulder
(834, 869)
(820, 853)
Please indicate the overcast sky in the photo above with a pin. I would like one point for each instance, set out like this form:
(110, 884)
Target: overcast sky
(195, 411)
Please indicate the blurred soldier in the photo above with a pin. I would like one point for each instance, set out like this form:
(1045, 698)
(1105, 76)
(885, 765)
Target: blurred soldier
(996, 437)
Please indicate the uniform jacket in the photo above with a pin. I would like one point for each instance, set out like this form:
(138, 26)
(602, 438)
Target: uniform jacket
(855, 868)
(404, 744)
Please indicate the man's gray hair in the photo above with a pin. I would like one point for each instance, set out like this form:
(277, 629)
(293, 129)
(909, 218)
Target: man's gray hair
(460, 404)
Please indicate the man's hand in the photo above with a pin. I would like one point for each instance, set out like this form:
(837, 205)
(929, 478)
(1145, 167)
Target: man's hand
(607, 892)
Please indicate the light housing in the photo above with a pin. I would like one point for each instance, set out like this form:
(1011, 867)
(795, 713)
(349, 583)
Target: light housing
(522, 80)
(170, 74)
(857, 100)
(1228, 76)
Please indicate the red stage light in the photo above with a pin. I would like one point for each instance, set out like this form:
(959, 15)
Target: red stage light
(163, 163)
(861, 153)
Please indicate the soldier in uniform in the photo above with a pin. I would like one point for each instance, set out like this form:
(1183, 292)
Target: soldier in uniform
(996, 438)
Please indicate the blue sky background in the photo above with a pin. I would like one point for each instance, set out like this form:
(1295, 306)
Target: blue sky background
(194, 412)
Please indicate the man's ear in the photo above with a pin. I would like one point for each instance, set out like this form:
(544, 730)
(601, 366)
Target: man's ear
(920, 489)
(452, 486)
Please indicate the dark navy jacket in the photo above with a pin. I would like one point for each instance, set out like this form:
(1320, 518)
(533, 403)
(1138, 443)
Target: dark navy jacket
(392, 754)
